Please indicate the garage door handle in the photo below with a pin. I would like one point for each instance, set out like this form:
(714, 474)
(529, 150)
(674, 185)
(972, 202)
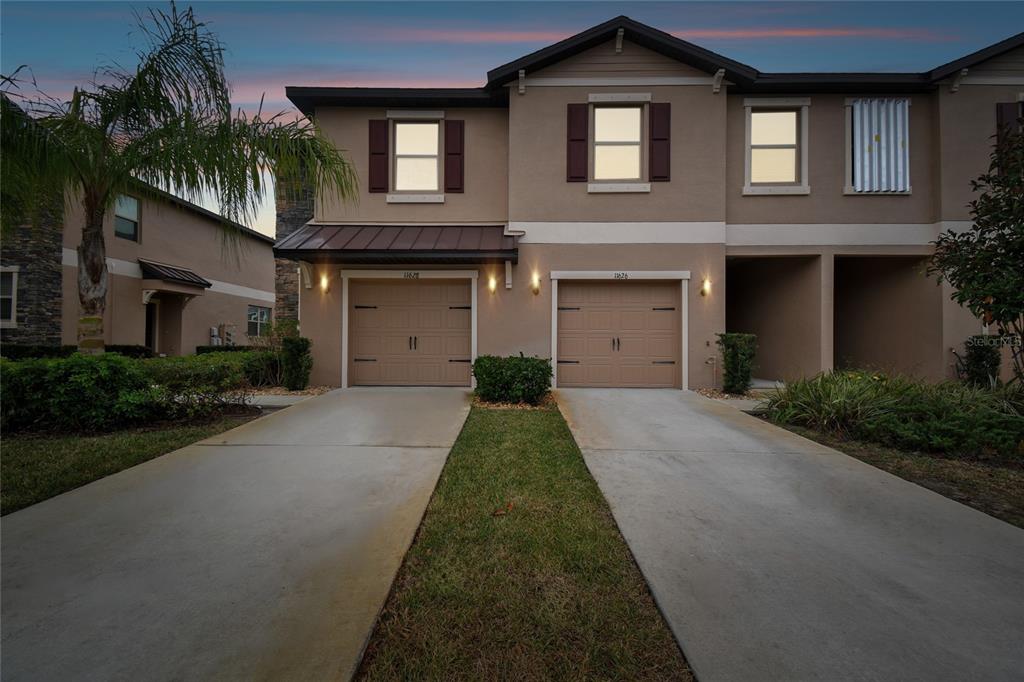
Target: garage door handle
(410, 343)
(415, 342)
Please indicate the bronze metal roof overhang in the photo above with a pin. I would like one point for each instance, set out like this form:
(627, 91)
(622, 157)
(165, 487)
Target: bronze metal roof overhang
(395, 244)
(152, 270)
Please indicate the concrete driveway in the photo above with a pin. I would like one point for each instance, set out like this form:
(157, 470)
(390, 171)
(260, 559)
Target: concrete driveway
(263, 553)
(774, 558)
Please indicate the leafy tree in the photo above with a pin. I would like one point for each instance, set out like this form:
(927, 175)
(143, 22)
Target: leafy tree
(985, 264)
(167, 123)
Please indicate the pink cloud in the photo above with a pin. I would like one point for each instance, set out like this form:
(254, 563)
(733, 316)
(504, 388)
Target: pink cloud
(816, 32)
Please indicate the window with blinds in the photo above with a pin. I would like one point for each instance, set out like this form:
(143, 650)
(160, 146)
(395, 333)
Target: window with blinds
(880, 144)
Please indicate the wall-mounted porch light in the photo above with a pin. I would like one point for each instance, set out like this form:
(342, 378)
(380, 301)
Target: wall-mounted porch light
(325, 283)
(535, 283)
(705, 287)
(492, 284)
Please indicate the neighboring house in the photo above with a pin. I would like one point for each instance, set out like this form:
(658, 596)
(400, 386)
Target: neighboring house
(174, 282)
(615, 200)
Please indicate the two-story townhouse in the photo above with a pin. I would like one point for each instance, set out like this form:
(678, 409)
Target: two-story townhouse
(616, 199)
(176, 279)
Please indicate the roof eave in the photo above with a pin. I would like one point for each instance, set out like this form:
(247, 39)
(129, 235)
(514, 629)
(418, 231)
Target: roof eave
(307, 99)
(390, 257)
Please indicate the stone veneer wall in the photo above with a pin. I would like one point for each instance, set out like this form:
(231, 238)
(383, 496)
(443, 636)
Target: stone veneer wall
(293, 211)
(36, 250)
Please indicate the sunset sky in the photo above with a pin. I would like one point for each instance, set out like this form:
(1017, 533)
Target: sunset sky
(274, 44)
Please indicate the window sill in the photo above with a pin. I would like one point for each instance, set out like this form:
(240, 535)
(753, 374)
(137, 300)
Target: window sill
(8, 324)
(776, 190)
(617, 187)
(849, 191)
(415, 199)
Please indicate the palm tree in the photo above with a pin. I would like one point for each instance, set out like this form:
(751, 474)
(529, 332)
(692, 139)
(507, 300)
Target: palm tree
(167, 124)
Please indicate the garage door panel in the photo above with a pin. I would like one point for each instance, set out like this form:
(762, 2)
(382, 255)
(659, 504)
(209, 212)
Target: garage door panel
(390, 313)
(642, 317)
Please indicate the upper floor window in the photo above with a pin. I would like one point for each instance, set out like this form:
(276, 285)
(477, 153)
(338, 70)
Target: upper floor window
(878, 145)
(416, 156)
(258, 321)
(617, 142)
(9, 297)
(126, 217)
(776, 146)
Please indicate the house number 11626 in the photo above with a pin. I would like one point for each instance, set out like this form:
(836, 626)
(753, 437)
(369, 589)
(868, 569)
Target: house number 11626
(621, 275)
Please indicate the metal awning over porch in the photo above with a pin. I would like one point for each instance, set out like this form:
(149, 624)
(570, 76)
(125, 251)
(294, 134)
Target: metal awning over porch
(174, 274)
(410, 244)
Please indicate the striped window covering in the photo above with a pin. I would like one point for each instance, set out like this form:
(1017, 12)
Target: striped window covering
(881, 144)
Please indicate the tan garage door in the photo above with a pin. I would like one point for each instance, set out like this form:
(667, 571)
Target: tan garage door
(621, 334)
(410, 333)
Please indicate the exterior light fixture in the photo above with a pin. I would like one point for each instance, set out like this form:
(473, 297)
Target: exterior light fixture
(492, 284)
(325, 283)
(535, 283)
(705, 287)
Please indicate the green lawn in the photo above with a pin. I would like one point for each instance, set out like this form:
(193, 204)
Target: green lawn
(34, 468)
(993, 486)
(518, 571)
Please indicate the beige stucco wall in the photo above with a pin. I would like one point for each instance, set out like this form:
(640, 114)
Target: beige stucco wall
(827, 172)
(485, 198)
(967, 124)
(175, 236)
(512, 321)
(538, 190)
(888, 316)
(602, 60)
(779, 300)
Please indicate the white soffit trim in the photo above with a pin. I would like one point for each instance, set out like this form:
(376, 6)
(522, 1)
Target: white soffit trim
(620, 233)
(776, 102)
(123, 268)
(852, 234)
(992, 80)
(620, 97)
(414, 114)
(554, 81)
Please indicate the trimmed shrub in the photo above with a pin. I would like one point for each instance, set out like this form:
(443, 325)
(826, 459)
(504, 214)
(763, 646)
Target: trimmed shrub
(513, 379)
(981, 360)
(202, 350)
(130, 351)
(200, 384)
(948, 418)
(15, 351)
(77, 393)
(738, 351)
(263, 368)
(296, 362)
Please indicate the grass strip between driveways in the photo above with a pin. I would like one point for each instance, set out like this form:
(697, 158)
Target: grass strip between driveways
(993, 486)
(518, 570)
(34, 468)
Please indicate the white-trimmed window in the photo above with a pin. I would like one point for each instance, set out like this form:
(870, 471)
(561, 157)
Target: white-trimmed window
(9, 296)
(617, 143)
(126, 217)
(417, 147)
(776, 146)
(877, 145)
(258, 321)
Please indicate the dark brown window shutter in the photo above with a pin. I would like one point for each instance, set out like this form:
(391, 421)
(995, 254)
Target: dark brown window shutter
(454, 158)
(1007, 116)
(576, 152)
(378, 181)
(661, 125)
